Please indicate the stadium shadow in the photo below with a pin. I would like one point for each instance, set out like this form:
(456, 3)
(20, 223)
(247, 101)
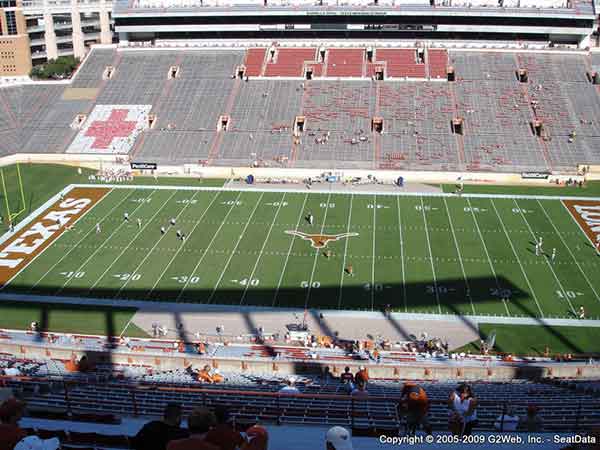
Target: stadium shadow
(453, 300)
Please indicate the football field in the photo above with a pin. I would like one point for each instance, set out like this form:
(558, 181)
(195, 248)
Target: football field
(442, 254)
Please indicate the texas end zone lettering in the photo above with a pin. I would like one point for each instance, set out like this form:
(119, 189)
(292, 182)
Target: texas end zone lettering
(587, 214)
(20, 249)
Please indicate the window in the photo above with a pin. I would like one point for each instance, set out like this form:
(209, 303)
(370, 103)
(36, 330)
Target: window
(11, 22)
(8, 3)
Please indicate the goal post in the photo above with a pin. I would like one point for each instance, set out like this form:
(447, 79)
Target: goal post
(13, 214)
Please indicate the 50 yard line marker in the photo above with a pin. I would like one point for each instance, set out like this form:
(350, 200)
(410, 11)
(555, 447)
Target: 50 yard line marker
(212, 294)
(289, 251)
(262, 249)
(317, 253)
(191, 274)
(181, 247)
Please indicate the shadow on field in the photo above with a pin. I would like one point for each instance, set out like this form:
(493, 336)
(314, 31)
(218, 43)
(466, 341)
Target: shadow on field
(448, 296)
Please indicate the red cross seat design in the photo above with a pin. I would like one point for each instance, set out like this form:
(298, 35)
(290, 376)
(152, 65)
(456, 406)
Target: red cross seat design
(115, 126)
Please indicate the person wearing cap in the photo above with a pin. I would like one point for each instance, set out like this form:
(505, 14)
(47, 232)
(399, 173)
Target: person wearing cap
(258, 438)
(35, 443)
(290, 387)
(338, 438)
(223, 434)
(200, 422)
(157, 434)
(11, 412)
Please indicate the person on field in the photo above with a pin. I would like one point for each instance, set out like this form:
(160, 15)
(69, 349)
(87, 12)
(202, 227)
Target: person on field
(139, 222)
(162, 230)
(310, 218)
(97, 228)
(553, 257)
(172, 221)
(581, 312)
(350, 270)
(126, 217)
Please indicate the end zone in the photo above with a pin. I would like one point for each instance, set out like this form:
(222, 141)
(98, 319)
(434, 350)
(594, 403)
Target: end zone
(21, 248)
(587, 215)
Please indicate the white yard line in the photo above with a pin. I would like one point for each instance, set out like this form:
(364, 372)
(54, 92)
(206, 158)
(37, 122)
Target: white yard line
(187, 282)
(93, 228)
(89, 258)
(212, 294)
(402, 256)
(182, 246)
(317, 253)
(518, 259)
(373, 254)
(569, 248)
(487, 253)
(462, 267)
(332, 190)
(147, 255)
(435, 285)
(262, 249)
(345, 252)
(140, 231)
(544, 257)
(288, 252)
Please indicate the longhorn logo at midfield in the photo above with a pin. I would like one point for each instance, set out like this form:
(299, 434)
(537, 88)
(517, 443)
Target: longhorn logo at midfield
(320, 240)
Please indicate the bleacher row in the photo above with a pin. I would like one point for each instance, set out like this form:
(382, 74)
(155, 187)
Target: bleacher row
(416, 115)
(346, 62)
(321, 402)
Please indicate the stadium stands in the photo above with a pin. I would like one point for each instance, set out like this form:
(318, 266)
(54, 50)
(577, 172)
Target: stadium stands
(201, 114)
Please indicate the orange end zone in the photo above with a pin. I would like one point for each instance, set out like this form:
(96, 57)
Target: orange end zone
(21, 248)
(587, 215)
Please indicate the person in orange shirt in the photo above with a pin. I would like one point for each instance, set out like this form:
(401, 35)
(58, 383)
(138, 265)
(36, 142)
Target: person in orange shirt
(204, 375)
(217, 377)
(258, 438)
(200, 422)
(414, 404)
(362, 374)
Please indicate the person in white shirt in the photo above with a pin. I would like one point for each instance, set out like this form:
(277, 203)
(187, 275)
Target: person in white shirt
(289, 387)
(462, 406)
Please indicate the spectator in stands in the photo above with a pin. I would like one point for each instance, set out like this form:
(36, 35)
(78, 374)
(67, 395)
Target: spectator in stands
(338, 438)
(362, 374)
(361, 390)
(223, 434)
(414, 405)
(462, 406)
(157, 434)
(204, 375)
(508, 421)
(347, 379)
(258, 438)
(290, 387)
(200, 422)
(533, 421)
(11, 412)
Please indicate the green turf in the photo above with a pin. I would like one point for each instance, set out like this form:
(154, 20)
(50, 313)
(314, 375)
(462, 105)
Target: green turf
(532, 340)
(69, 319)
(174, 181)
(40, 182)
(451, 255)
(591, 189)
